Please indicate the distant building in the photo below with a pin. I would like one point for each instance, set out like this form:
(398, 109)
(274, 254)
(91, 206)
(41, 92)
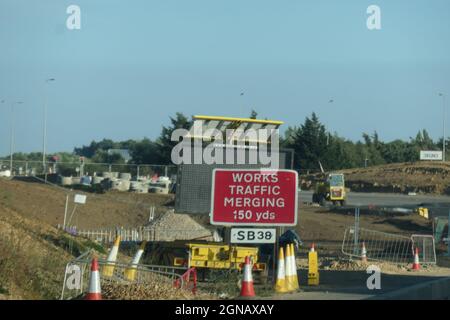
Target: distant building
(124, 153)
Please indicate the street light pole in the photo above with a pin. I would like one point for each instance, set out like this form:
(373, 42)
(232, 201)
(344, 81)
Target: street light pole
(11, 145)
(443, 126)
(3, 101)
(44, 133)
(11, 142)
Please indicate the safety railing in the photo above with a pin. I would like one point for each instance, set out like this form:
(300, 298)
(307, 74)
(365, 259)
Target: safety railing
(107, 236)
(381, 246)
(187, 280)
(32, 168)
(426, 246)
(76, 277)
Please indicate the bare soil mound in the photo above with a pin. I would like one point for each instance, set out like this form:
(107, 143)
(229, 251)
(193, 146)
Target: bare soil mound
(33, 256)
(420, 177)
(46, 203)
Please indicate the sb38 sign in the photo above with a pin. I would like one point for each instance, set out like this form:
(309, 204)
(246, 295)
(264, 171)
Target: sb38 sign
(254, 197)
(246, 235)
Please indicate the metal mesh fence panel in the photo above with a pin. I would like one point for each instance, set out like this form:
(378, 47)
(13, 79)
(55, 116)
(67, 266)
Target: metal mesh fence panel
(108, 236)
(118, 273)
(380, 246)
(74, 169)
(425, 244)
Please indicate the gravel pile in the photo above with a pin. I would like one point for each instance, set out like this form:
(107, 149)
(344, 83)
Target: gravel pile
(176, 226)
(151, 291)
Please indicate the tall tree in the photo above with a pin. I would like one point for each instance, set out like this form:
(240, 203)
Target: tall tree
(374, 149)
(309, 142)
(145, 152)
(165, 143)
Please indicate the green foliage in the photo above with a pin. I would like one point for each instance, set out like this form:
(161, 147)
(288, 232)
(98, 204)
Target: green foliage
(3, 290)
(74, 246)
(32, 156)
(312, 143)
(144, 152)
(102, 156)
(164, 142)
(310, 140)
(90, 150)
(95, 188)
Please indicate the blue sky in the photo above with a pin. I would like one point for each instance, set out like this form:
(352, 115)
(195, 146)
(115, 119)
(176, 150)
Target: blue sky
(135, 63)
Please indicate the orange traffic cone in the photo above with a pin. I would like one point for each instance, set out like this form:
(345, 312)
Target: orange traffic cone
(95, 292)
(363, 252)
(416, 264)
(247, 289)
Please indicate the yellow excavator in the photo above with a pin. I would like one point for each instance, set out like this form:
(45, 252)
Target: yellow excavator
(332, 189)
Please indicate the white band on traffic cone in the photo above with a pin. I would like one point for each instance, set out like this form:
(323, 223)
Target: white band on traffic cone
(95, 291)
(108, 269)
(363, 252)
(294, 267)
(112, 257)
(289, 274)
(247, 289)
(280, 284)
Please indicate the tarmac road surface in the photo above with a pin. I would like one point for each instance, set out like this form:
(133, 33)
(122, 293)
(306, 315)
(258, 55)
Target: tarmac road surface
(384, 199)
(352, 285)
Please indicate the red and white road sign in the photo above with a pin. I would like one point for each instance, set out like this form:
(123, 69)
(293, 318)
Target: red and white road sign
(254, 197)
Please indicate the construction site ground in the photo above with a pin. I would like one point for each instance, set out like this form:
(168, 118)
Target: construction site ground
(429, 177)
(32, 210)
(46, 203)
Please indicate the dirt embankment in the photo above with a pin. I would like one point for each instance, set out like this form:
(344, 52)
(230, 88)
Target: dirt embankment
(33, 256)
(33, 253)
(326, 229)
(420, 177)
(47, 203)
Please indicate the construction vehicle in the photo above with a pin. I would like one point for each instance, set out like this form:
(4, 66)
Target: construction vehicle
(332, 189)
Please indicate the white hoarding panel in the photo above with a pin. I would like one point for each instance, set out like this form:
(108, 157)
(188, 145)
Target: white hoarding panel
(430, 155)
(80, 198)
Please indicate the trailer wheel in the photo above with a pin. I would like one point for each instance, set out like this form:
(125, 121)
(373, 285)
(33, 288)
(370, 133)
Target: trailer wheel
(315, 198)
(263, 277)
(322, 201)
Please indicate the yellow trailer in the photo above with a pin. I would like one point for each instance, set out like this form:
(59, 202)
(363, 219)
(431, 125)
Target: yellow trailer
(220, 256)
